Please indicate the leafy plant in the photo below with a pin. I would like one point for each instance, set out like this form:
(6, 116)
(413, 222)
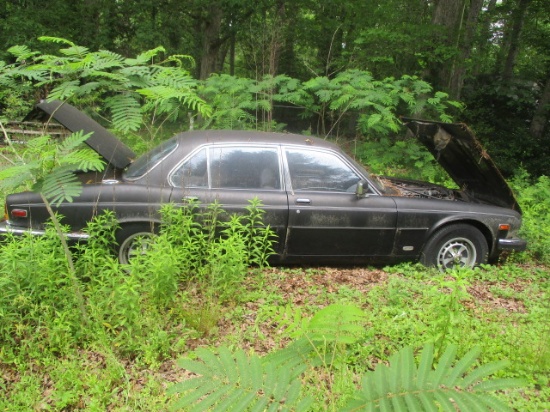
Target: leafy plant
(255, 383)
(451, 289)
(206, 247)
(240, 382)
(48, 166)
(449, 386)
(374, 104)
(132, 89)
(534, 199)
(401, 158)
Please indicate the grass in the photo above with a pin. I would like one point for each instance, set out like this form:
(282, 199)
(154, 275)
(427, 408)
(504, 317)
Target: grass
(503, 310)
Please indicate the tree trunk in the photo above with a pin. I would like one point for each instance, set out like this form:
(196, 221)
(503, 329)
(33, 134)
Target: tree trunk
(459, 71)
(449, 15)
(277, 37)
(211, 29)
(542, 112)
(518, 17)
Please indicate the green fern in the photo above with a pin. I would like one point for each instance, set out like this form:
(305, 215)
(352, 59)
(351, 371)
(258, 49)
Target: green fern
(126, 111)
(238, 382)
(60, 185)
(404, 386)
(49, 167)
(341, 324)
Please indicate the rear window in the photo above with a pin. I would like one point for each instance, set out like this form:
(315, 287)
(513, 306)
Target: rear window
(149, 160)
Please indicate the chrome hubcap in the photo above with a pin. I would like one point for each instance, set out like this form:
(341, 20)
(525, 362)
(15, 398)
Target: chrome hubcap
(459, 252)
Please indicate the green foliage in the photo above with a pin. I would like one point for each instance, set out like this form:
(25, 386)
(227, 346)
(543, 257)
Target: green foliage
(534, 199)
(401, 158)
(240, 103)
(339, 324)
(375, 104)
(232, 100)
(240, 382)
(404, 386)
(131, 88)
(452, 289)
(48, 166)
(207, 247)
(497, 113)
(256, 383)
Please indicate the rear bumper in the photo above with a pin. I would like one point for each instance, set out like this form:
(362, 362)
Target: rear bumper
(6, 228)
(518, 245)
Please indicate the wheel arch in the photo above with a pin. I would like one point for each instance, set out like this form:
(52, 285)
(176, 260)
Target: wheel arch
(483, 228)
(154, 222)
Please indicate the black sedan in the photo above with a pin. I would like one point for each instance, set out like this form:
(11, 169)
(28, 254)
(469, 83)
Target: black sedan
(323, 205)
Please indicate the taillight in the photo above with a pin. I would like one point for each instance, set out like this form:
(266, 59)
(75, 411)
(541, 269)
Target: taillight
(20, 213)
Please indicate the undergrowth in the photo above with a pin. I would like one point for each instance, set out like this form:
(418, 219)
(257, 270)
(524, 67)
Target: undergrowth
(196, 289)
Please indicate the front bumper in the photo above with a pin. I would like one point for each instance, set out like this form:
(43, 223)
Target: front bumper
(518, 245)
(7, 228)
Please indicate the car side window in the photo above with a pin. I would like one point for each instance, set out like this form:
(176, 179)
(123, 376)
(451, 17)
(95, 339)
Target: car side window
(315, 170)
(245, 168)
(193, 172)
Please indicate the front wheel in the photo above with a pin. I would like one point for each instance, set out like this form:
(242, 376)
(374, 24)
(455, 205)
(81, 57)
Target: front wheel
(455, 246)
(133, 240)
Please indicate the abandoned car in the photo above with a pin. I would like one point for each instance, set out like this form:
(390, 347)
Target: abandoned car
(323, 206)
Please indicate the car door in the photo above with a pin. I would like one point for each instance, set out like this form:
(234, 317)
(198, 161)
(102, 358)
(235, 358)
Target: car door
(326, 217)
(233, 175)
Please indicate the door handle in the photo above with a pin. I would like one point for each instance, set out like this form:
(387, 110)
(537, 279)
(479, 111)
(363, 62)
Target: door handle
(303, 201)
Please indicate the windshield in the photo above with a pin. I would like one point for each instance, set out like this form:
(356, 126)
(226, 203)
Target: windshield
(149, 160)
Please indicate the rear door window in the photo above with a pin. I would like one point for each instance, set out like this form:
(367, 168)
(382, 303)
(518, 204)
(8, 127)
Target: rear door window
(230, 167)
(244, 168)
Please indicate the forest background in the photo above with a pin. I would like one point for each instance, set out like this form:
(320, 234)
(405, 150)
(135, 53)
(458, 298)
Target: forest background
(492, 56)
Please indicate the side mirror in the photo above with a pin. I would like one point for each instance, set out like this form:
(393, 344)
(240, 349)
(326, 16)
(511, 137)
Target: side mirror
(360, 189)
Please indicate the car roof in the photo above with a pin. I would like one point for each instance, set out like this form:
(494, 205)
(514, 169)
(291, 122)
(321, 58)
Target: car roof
(196, 138)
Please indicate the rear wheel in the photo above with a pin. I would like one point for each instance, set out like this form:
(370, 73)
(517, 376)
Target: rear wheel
(453, 246)
(133, 240)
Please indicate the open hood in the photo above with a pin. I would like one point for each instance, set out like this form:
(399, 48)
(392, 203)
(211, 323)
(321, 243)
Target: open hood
(458, 151)
(102, 141)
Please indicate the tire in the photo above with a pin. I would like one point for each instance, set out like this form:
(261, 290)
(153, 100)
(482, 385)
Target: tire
(132, 240)
(459, 245)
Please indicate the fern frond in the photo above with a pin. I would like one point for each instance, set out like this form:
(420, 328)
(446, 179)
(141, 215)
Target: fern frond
(145, 57)
(295, 355)
(21, 52)
(15, 176)
(88, 88)
(238, 382)
(57, 40)
(83, 160)
(444, 365)
(126, 112)
(74, 51)
(64, 90)
(72, 141)
(61, 185)
(395, 388)
(337, 323)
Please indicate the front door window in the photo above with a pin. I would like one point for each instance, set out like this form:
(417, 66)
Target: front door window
(312, 170)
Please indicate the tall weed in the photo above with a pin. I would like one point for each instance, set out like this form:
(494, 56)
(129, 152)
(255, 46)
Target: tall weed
(534, 199)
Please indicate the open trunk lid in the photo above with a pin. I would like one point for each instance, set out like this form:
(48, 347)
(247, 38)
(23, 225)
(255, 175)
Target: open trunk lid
(102, 141)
